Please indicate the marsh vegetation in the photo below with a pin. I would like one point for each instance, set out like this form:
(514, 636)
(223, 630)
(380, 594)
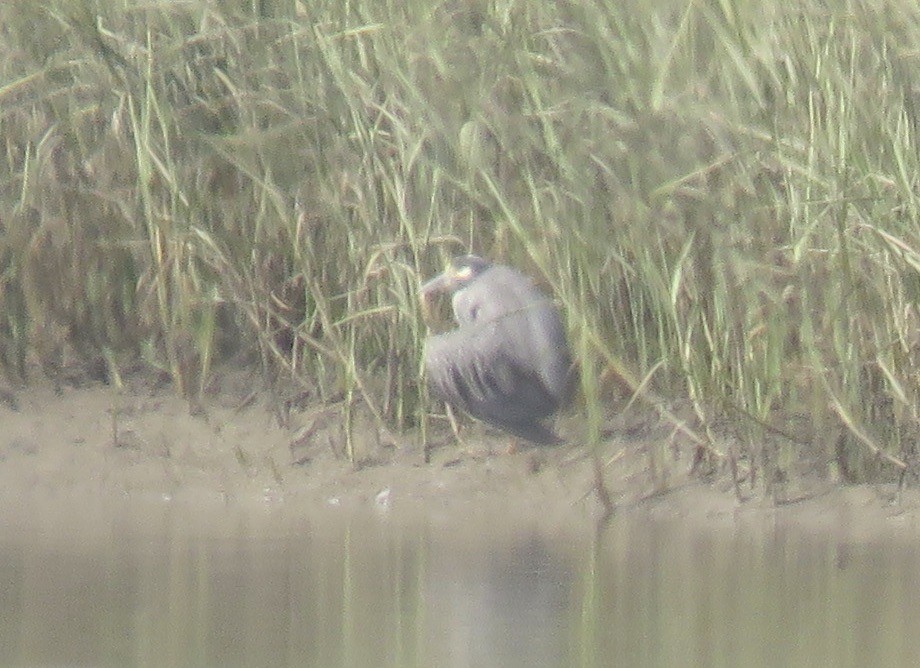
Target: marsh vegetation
(722, 195)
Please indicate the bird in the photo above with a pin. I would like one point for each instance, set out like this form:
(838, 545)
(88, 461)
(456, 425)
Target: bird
(508, 362)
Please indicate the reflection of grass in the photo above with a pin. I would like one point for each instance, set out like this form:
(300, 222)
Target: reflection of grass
(722, 196)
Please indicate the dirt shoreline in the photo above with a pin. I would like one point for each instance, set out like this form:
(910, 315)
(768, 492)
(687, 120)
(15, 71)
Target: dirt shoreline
(97, 442)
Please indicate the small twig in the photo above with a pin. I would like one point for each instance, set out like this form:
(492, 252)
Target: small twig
(603, 495)
(763, 424)
(246, 402)
(863, 438)
(113, 414)
(736, 479)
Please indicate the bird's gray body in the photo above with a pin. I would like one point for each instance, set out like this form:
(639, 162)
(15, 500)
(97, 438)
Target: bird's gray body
(508, 362)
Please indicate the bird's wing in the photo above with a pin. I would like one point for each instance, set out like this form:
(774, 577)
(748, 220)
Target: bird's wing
(477, 369)
(533, 332)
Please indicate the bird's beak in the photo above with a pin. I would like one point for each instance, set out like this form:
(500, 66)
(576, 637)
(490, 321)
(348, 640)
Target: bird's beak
(441, 283)
(438, 284)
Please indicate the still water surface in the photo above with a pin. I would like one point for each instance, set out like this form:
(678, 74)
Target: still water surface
(161, 583)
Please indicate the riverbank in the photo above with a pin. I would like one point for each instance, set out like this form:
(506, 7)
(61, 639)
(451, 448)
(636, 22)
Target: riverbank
(60, 447)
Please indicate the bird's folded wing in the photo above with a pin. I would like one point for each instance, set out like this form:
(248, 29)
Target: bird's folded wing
(476, 369)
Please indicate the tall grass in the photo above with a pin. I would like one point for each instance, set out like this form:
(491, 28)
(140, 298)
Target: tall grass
(721, 193)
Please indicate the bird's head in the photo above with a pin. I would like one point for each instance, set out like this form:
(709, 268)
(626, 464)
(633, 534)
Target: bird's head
(459, 273)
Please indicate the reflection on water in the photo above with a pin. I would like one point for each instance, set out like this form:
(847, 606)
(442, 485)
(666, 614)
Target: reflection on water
(164, 583)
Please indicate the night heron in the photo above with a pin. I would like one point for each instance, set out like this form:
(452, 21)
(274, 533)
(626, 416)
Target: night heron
(508, 362)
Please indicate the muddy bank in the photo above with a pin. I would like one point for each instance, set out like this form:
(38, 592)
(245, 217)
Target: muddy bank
(59, 449)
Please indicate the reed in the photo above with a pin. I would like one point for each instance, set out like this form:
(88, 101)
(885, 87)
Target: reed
(722, 194)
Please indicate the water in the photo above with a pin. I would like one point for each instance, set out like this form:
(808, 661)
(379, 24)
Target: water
(209, 582)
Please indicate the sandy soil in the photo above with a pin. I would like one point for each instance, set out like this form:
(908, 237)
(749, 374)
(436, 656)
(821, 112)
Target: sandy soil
(145, 442)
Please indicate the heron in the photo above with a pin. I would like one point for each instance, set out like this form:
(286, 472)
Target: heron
(507, 362)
